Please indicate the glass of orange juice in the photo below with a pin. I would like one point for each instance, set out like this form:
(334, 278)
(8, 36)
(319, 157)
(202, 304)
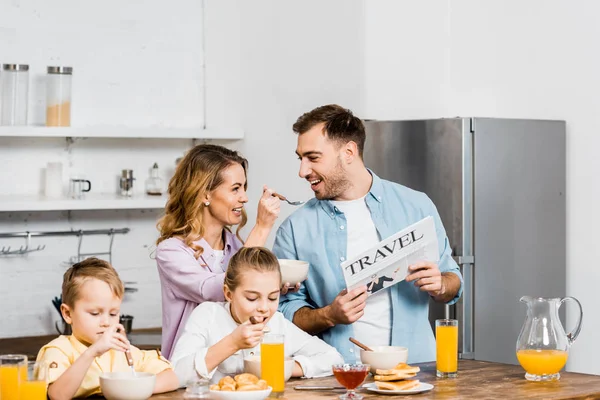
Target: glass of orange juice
(13, 371)
(35, 387)
(272, 362)
(446, 343)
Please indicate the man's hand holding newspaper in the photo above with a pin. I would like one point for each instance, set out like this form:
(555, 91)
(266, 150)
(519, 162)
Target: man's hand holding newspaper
(427, 277)
(348, 306)
(410, 254)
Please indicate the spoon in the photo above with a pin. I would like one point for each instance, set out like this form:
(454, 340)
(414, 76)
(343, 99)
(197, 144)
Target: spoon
(129, 358)
(130, 361)
(254, 321)
(359, 344)
(283, 198)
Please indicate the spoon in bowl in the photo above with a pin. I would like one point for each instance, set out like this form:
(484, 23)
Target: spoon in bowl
(359, 344)
(130, 361)
(129, 358)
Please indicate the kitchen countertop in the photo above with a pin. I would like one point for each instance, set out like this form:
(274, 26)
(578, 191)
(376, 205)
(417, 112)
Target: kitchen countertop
(145, 339)
(476, 380)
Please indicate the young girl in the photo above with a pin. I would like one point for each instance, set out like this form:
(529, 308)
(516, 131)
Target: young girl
(218, 336)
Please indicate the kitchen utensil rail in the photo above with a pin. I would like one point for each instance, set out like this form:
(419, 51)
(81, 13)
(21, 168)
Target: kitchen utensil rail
(27, 248)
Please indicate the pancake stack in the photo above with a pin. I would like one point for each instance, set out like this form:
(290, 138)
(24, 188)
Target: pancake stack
(397, 378)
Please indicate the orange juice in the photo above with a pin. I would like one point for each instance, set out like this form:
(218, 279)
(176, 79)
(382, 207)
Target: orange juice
(33, 390)
(10, 378)
(446, 343)
(542, 362)
(272, 365)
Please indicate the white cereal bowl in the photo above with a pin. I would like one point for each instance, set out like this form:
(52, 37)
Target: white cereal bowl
(249, 395)
(384, 357)
(125, 386)
(293, 271)
(252, 366)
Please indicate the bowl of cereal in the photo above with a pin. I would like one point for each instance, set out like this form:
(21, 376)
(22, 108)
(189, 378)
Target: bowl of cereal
(293, 271)
(127, 386)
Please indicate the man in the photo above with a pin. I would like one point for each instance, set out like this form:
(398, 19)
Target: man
(353, 210)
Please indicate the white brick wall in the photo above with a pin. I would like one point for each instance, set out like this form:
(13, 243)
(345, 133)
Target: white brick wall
(29, 282)
(266, 63)
(135, 64)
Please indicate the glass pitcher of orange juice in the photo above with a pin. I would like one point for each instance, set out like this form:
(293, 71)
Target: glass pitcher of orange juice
(543, 345)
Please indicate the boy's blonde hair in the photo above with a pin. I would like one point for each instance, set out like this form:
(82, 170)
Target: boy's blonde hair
(250, 258)
(90, 268)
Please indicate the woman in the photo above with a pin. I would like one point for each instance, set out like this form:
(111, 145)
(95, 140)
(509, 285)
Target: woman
(206, 196)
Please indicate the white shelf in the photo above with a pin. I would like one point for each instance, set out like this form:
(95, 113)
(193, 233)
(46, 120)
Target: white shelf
(90, 202)
(120, 132)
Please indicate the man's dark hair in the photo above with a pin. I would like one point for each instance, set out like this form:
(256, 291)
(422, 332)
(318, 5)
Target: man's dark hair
(340, 126)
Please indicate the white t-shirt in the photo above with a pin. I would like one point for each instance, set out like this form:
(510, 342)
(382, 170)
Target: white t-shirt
(375, 326)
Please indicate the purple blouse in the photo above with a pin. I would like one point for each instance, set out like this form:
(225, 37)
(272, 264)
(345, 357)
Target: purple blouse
(186, 282)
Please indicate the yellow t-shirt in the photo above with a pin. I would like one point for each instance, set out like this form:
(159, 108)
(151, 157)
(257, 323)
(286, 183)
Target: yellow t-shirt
(62, 352)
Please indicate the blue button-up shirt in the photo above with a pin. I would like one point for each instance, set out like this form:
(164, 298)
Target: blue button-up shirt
(316, 233)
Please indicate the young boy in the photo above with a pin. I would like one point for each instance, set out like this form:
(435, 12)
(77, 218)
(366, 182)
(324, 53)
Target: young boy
(92, 293)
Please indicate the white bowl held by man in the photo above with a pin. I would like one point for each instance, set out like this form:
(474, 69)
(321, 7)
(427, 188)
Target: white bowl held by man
(126, 386)
(252, 366)
(384, 357)
(293, 271)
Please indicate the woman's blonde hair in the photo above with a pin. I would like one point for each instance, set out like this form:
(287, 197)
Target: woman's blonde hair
(90, 268)
(250, 258)
(197, 174)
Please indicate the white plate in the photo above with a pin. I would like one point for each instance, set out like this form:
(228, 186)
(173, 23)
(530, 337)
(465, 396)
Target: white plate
(249, 395)
(423, 387)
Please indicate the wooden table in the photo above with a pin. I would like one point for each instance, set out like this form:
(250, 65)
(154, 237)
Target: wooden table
(476, 380)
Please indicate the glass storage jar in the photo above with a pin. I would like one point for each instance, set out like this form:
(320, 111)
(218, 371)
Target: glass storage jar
(58, 96)
(15, 90)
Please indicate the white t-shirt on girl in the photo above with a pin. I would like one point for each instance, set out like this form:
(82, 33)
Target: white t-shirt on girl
(211, 322)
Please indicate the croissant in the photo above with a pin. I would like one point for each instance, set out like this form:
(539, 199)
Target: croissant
(246, 379)
(228, 387)
(262, 384)
(246, 388)
(227, 380)
(242, 383)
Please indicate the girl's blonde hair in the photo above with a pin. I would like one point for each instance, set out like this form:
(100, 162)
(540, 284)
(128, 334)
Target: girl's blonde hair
(197, 174)
(250, 258)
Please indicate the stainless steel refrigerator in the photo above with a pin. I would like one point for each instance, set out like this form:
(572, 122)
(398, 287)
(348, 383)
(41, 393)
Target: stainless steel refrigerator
(499, 186)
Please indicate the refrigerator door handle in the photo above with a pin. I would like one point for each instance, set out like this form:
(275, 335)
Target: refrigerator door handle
(467, 264)
(462, 260)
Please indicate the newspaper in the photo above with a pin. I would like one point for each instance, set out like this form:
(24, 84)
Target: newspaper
(386, 263)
